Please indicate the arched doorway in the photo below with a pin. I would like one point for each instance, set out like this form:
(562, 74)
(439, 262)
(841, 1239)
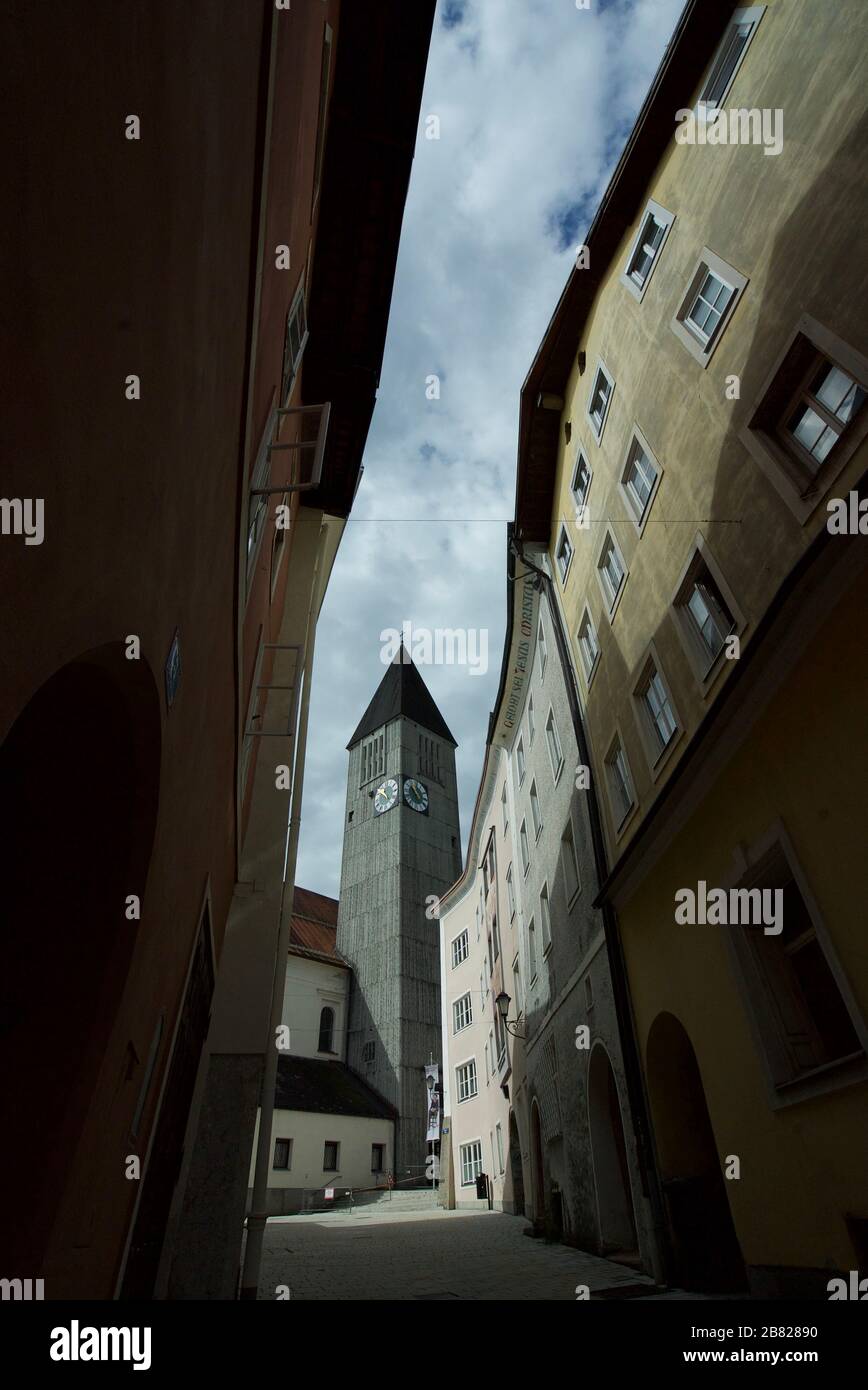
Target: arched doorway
(704, 1243)
(79, 782)
(515, 1167)
(539, 1189)
(615, 1219)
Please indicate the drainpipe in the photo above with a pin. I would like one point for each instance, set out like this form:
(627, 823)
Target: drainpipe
(258, 1216)
(617, 966)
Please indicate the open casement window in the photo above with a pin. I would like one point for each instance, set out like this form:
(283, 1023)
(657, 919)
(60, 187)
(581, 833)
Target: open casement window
(800, 1011)
(640, 478)
(620, 784)
(295, 341)
(599, 400)
(728, 58)
(706, 618)
(658, 720)
(645, 250)
(611, 572)
(588, 644)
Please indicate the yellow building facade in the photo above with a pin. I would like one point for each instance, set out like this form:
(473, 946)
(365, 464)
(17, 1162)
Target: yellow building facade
(692, 452)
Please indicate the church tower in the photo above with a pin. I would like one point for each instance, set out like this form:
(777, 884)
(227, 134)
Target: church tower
(401, 850)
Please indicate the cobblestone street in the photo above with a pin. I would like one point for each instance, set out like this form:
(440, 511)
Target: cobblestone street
(430, 1255)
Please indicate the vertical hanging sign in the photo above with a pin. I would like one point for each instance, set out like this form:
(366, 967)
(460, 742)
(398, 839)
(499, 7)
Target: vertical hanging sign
(432, 1077)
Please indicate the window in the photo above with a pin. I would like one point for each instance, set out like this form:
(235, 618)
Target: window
(541, 644)
(282, 1154)
(531, 949)
(294, 343)
(564, 557)
(553, 742)
(487, 1069)
(620, 784)
(460, 948)
(519, 760)
(465, 1076)
(581, 484)
(516, 984)
(254, 714)
(706, 617)
(523, 846)
(728, 58)
(504, 809)
(589, 646)
(535, 814)
(499, 1132)
(545, 917)
(482, 989)
(792, 978)
(325, 67)
(495, 936)
(369, 1052)
(471, 1162)
(659, 717)
(462, 1013)
(510, 893)
(639, 480)
(589, 993)
(611, 572)
(570, 862)
(278, 544)
(645, 250)
(331, 1156)
(326, 1031)
(708, 305)
(599, 400)
(478, 916)
(531, 727)
(378, 1158)
(373, 758)
(258, 505)
(827, 402)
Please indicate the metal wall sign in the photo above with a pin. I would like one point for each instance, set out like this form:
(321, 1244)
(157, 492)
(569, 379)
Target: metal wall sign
(173, 670)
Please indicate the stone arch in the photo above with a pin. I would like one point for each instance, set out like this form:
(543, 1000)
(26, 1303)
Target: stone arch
(706, 1252)
(616, 1222)
(79, 788)
(515, 1170)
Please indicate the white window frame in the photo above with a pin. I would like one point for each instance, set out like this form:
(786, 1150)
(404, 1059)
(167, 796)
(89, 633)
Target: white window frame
(542, 651)
(465, 1012)
(289, 369)
(580, 499)
(600, 370)
(700, 346)
(531, 726)
(504, 807)
(472, 1164)
(750, 14)
(471, 1078)
(553, 738)
(458, 958)
(801, 490)
(656, 752)
(665, 220)
(704, 667)
(520, 761)
(535, 811)
(510, 893)
(545, 917)
(586, 622)
(638, 511)
(531, 952)
(569, 853)
(563, 571)
(524, 847)
(611, 600)
(620, 818)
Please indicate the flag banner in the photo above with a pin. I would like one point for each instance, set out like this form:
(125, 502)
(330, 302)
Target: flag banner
(432, 1079)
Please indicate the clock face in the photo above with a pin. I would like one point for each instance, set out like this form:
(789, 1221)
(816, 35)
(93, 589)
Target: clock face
(385, 796)
(415, 794)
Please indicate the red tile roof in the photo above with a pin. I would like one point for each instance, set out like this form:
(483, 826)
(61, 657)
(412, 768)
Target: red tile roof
(314, 923)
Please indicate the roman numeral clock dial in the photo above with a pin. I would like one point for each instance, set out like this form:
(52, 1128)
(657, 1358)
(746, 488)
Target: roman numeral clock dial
(385, 796)
(416, 795)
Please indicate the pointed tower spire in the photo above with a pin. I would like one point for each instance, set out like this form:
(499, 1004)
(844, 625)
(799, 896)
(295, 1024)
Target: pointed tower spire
(402, 692)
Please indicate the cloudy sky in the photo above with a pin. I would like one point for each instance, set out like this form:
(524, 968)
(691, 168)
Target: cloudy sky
(535, 99)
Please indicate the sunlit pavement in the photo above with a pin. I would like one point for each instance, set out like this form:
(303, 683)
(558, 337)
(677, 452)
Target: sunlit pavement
(431, 1255)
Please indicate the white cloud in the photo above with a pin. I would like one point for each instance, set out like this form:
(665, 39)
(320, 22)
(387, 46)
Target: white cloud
(535, 100)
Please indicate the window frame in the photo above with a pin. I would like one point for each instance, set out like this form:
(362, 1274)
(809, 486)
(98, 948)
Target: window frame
(289, 369)
(467, 1014)
(545, 916)
(702, 349)
(282, 1167)
(639, 514)
(562, 573)
(520, 760)
(384, 1151)
(551, 726)
(475, 1144)
(586, 620)
(581, 458)
(524, 847)
(704, 671)
(611, 603)
(465, 934)
(570, 852)
(336, 1145)
(542, 648)
(599, 370)
(616, 744)
(535, 811)
(801, 490)
(665, 219)
(469, 1062)
(656, 755)
(751, 14)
